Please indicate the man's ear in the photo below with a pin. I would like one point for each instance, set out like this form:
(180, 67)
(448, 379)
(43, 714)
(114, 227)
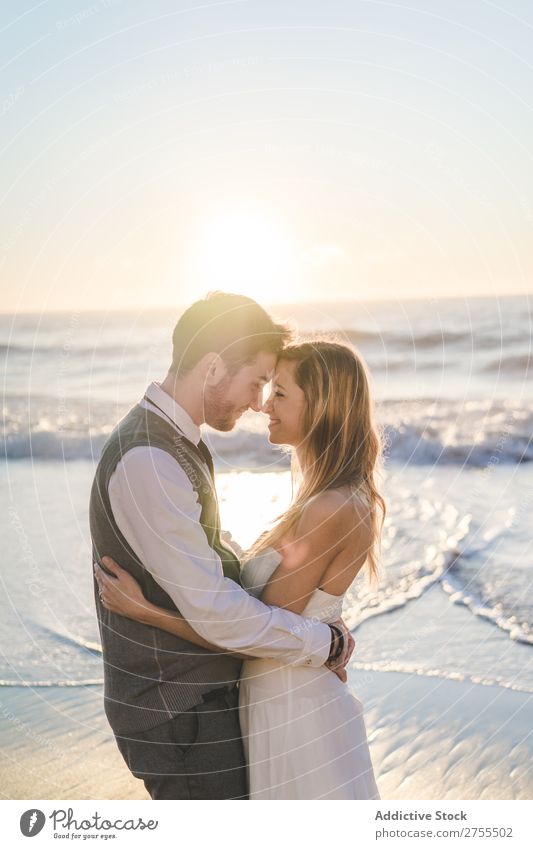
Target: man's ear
(214, 368)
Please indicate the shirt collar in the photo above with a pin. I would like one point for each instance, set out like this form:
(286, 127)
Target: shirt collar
(175, 412)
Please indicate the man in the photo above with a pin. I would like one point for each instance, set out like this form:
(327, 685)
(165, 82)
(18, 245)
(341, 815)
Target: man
(172, 705)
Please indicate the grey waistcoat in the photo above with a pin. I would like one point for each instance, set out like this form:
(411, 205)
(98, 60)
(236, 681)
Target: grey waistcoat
(151, 675)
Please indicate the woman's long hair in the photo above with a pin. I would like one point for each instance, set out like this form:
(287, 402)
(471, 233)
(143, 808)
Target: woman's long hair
(341, 444)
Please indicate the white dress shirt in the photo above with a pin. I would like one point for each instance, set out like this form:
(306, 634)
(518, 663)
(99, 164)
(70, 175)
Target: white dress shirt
(158, 512)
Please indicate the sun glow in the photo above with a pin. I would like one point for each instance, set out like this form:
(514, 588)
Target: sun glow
(247, 252)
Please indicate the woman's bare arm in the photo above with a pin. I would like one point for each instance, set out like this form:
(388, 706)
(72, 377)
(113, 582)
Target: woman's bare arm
(174, 623)
(122, 594)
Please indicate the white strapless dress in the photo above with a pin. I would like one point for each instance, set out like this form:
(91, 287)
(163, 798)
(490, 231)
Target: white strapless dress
(303, 729)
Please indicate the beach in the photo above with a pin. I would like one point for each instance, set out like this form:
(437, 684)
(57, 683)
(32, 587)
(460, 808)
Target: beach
(361, 172)
(443, 661)
(429, 739)
(438, 738)
(447, 694)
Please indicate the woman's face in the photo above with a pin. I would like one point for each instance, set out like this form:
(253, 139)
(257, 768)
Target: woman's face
(285, 407)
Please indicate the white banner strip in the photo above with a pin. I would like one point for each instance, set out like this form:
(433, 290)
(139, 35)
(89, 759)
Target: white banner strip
(274, 825)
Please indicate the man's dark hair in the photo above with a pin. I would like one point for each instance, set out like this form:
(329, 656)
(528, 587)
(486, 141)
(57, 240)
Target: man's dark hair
(233, 326)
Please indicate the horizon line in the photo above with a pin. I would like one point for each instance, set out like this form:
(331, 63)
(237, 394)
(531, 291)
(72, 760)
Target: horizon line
(272, 304)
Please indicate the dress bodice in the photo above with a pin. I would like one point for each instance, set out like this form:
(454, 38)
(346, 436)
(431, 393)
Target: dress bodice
(256, 571)
(303, 729)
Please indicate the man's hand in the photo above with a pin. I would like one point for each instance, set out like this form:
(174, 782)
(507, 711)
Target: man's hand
(339, 666)
(351, 644)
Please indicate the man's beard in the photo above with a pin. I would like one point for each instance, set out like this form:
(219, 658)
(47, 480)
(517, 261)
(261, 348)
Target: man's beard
(219, 413)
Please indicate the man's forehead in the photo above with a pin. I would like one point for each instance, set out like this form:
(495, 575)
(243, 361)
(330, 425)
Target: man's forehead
(264, 366)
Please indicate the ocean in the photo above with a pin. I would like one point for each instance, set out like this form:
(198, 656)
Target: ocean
(454, 399)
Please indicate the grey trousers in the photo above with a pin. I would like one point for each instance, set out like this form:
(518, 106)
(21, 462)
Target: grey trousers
(196, 755)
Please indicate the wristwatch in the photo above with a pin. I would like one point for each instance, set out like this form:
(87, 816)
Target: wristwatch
(337, 645)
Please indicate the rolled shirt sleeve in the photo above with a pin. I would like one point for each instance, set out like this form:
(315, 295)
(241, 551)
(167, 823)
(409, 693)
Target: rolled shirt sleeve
(157, 511)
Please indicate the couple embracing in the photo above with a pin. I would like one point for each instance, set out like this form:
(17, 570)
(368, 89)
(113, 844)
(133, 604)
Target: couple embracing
(225, 672)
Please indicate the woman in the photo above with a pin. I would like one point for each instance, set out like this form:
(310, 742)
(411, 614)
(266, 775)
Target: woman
(303, 729)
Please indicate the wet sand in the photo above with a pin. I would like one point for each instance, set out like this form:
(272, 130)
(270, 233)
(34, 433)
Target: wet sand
(430, 738)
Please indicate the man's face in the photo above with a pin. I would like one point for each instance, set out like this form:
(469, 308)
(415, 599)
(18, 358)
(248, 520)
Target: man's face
(232, 396)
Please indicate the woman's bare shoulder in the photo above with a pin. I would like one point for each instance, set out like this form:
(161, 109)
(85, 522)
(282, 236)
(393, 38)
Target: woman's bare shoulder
(340, 509)
(328, 506)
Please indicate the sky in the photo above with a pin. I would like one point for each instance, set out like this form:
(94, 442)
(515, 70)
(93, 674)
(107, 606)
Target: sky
(287, 149)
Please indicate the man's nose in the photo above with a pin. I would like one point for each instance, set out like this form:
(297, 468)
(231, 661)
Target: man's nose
(267, 406)
(257, 401)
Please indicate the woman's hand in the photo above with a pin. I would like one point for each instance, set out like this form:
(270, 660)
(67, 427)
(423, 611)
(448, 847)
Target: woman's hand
(120, 592)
